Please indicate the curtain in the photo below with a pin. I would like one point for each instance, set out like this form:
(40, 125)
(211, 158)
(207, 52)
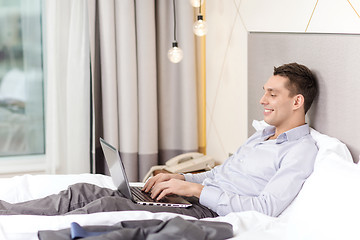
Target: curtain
(67, 86)
(142, 104)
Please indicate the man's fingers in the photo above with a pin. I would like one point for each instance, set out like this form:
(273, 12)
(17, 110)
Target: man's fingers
(175, 186)
(150, 183)
(162, 189)
(156, 190)
(163, 194)
(161, 177)
(147, 185)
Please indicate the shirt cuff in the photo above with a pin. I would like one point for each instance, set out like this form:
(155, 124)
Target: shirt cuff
(188, 177)
(209, 197)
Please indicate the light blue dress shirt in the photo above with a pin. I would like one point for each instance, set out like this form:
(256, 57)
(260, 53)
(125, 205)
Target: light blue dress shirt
(263, 175)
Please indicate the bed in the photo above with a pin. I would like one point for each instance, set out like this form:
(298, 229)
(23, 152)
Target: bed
(326, 208)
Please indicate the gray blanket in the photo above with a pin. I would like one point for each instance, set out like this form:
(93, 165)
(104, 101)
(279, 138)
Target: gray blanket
(176, 228)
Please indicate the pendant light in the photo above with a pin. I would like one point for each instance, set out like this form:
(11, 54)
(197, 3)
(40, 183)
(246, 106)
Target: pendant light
(175, 54)
(196, 3)
(200, 26)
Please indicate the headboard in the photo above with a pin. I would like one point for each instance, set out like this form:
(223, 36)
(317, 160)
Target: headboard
(334, 58)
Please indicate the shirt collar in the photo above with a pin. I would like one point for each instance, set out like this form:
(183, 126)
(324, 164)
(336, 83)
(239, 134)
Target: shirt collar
(291, 135)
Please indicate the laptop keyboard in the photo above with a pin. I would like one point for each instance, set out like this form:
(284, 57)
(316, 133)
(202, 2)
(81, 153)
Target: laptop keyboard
(140, 195)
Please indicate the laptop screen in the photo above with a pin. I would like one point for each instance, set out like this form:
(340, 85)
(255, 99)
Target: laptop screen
(116, 168)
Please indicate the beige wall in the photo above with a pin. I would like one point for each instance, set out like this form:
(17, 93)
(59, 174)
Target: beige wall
(229, 22)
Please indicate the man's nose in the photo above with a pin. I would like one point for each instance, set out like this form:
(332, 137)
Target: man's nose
(263, 100)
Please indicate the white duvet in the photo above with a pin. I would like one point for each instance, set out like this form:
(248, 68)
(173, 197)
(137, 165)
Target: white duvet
(328, 206)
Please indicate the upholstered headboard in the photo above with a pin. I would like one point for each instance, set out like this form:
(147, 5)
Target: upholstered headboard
(335, 59)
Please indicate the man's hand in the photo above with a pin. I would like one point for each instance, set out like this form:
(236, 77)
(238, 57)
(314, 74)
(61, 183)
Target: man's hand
(166, 183)
(161, 177)
(176, 186)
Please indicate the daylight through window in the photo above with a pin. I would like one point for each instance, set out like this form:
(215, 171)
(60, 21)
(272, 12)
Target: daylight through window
(22, 130)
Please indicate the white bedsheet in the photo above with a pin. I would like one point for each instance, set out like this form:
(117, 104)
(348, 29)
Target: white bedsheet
(327, 207)
(26, 187)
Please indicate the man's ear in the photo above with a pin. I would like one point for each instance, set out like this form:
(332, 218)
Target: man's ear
(298, 101)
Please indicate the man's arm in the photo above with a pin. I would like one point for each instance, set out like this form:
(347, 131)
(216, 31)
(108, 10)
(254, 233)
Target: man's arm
(200, 177)
(187, 180)
(166, 183)
(161, 177)
(176, 186)
(277, 194)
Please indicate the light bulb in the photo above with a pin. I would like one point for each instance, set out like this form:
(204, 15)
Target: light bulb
(175, 54)
(200, 26)
(196, 3)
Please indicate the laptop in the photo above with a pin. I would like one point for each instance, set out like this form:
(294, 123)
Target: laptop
(118, 175)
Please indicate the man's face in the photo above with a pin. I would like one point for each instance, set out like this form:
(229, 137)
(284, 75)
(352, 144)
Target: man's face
(277, 103)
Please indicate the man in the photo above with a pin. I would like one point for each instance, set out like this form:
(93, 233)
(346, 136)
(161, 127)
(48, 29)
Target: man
(265, 174)
(268, 171)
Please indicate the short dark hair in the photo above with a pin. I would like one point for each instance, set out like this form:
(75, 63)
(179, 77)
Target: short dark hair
(301, 81)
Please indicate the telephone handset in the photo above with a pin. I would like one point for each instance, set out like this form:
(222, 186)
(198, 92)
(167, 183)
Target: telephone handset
(189, 162)
(183, 163)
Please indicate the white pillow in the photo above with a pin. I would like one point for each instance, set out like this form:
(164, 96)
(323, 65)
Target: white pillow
(332, 154)
(328, 206)
(327, 145)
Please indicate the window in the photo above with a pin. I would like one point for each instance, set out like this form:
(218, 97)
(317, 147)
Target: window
(22, 128)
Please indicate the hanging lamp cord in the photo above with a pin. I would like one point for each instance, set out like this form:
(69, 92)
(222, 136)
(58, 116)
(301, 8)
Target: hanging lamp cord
(174, 7)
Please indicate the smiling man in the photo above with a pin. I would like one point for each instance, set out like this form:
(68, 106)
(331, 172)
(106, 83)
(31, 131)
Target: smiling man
(268, 171)
(265, 174)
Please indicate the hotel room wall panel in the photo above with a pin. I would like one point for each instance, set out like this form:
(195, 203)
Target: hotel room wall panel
(335, 60)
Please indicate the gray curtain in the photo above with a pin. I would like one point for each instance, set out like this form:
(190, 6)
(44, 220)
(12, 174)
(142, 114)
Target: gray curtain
(142, 104)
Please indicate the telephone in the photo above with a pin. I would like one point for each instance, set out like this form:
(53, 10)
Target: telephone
(183, 163)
